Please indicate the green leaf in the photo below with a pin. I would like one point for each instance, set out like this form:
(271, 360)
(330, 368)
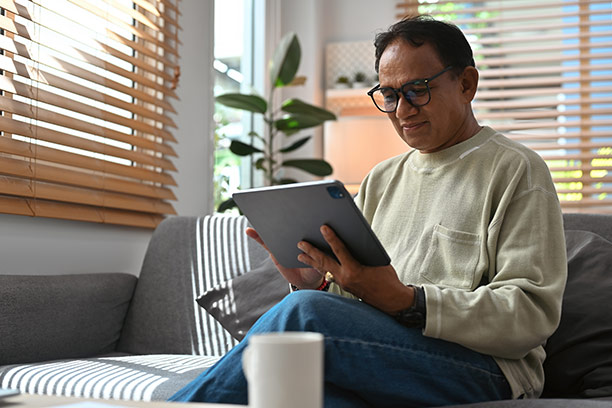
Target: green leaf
(226, 205)
(286, 61)
(259, 164)
(243, 149)
(253, 133)
(295, 145)
(312, 166)
(297, 122)
(298, 106)
(251, 103)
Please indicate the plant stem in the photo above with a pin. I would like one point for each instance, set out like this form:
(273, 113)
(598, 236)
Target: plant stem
(270, 147)
(270, 153)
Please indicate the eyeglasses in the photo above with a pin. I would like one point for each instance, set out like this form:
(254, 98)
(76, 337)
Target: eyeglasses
(416, 92)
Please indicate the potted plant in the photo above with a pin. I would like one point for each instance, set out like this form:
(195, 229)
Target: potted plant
(294, 115)
(359, 80)
(342, 82)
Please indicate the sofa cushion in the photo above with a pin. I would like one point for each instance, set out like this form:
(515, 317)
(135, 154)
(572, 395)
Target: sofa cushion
(239, 302)
(579, 353)
(135, 378)
(61, 316)
(186, 257)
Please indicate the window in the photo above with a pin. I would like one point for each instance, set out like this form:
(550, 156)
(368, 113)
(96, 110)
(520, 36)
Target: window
(546, 81)
(232, 34)
(85, 92)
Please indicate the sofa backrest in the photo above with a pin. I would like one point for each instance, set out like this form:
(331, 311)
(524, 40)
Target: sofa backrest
(600, 224)
(579, 353)
(186, 257)
(50, 317)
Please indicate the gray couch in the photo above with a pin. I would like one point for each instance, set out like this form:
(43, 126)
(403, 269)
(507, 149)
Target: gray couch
(117, 336)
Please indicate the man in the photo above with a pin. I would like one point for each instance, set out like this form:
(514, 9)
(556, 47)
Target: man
(474, 229)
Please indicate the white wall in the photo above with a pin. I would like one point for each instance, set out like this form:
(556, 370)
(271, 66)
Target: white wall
(317, 23)
(48, 246)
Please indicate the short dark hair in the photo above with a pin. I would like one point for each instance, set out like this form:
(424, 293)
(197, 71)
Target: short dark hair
(446, 38)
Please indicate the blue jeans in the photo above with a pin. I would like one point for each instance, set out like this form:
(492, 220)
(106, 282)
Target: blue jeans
(370, 359)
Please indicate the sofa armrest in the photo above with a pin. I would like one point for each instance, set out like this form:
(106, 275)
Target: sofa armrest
(61, 316)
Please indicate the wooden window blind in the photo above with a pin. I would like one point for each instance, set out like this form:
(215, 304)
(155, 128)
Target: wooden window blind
(545, 80)
(85, 98)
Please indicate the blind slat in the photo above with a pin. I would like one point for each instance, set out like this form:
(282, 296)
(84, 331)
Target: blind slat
(532, 71)
(37, 113)
(142, 34)
(76, 195)
(523, 17)
(66, 211)
(140, 48)
(548, 113)
(543, 59)
(40, 133)
(542, 81)
(504, 127)
(31, 169)
(112, 51)
(9, 5)
(554, 91)
(38, 152)
(21, 89)
(53, 80)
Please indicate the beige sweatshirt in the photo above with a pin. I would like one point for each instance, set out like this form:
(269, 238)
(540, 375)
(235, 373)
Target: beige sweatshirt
(479, 226)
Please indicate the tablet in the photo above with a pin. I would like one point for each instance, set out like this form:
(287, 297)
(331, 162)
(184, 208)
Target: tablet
(287, 214)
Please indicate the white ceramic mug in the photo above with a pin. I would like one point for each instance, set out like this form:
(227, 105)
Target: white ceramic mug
(284, 370)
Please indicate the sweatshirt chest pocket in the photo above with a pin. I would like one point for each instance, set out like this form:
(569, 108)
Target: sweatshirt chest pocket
(451, 258)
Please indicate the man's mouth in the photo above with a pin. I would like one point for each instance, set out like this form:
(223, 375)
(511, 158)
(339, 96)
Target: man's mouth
(409, 127)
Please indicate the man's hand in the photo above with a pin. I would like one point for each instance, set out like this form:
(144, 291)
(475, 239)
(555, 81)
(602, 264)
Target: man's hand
(303, 278)
(378, 286)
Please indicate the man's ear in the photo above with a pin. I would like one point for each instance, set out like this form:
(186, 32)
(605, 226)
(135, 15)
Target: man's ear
(469, 83)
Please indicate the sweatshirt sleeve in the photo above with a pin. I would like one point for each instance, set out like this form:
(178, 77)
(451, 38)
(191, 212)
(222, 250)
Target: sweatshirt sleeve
(520, 306)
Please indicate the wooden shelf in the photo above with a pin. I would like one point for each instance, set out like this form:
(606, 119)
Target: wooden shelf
(350, 102)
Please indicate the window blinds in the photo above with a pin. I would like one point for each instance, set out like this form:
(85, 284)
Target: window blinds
(85, 94)
(546, 81)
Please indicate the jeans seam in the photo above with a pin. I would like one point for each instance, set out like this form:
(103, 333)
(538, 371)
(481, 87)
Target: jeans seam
(439, 356)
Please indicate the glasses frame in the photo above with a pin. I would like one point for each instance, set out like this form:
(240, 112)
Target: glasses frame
(398, 91)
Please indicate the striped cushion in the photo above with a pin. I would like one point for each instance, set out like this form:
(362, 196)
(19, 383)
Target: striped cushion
(222, 255)
(136, 378)
(186, 257)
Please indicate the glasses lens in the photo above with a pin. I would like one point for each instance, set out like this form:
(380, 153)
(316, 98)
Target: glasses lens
(385, 99)
(417, 94)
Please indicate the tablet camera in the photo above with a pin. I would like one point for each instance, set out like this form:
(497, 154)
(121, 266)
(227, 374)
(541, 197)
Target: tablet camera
(335, 192)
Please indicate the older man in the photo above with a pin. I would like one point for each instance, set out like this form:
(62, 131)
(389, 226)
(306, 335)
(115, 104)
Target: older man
(473, 226)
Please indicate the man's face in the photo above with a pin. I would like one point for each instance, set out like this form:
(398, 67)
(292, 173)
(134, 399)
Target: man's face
(447, 119)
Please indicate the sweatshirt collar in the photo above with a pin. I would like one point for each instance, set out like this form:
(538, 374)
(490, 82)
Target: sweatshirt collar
(428, 162)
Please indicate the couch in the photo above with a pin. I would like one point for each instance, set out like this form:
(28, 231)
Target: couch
(119, 336)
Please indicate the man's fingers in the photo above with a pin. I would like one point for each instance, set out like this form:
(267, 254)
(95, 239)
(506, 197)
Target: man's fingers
(315, 258)
(337, 246)
(251, 233)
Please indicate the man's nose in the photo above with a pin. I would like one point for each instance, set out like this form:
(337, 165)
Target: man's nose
(405, 108)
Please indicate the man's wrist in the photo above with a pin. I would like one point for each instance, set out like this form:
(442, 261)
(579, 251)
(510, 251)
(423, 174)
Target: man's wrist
(323, 286)
(415, 315)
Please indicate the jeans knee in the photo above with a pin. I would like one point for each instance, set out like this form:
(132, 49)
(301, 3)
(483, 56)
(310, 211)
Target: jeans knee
(310, 301)
(304, 310)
